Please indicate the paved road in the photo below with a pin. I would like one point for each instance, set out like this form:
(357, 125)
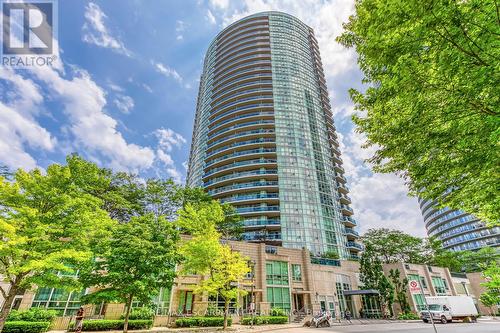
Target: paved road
(480, 327)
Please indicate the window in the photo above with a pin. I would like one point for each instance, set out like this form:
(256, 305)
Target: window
(161, 302)
(64, 302)
(271, 249)
(279, 297)
(277, 273)
(296, 272)
(419, 301)
(439, 285)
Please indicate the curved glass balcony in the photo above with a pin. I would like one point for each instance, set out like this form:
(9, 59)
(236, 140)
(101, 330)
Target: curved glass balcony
(239, 135)
(226, 79)
(240, 79)
(238, 54)
(243, 185)
(255, 209)
(236, 175)
(351, 231)
(253, 40)
(240, 49)
(241, 143)
(354, 245)
(231, 34)
(250, 123)
(241, 153)
(346, 210)
(241, 85)
(243, 93)
(260, 222)
(262, 236)
(243, 116)
(246, 197)
(218, 69)
(349, 221)
(264, 29)
(239, 101)
(240, 163)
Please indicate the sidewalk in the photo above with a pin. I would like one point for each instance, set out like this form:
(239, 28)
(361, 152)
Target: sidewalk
(258, 328)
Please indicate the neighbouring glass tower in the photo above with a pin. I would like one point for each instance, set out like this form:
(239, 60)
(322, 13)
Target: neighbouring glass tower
(456, 229)
(264, 138)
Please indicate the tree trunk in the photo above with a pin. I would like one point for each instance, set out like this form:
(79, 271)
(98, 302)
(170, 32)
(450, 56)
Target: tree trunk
(127, 313)
(7, 304)
(226, 308)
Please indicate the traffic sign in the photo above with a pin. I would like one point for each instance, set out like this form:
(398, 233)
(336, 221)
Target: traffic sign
(414, 287)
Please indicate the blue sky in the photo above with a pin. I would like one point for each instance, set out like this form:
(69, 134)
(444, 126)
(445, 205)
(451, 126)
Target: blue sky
(123, 93)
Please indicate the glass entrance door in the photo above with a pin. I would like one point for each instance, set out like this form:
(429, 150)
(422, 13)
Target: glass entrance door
(186, 299)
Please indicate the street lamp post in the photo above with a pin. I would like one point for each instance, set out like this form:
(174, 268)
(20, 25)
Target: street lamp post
(251, 264)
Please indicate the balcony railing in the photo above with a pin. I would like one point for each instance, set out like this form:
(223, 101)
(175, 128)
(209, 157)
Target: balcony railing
(273, 208)
(250, 197)
(242, 185)
(240, 163)
(346, 210)
(349, 220)
(260, 222)
(241, 153)
(351, 231)
(241, 143)
(325, 261)
(241, 174)
(240, 134)
(354, 245)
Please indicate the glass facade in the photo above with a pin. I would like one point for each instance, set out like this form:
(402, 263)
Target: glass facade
(264, 138)
(278, 289)
(66, 303)
(457, 230)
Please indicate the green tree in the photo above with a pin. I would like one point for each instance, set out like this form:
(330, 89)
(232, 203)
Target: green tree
(138, 260)
(491, 296)
(48, 222)
(372, 276)
(459, 261)
(394, 245)
(203, 254)
(432, 102)
(400, 289)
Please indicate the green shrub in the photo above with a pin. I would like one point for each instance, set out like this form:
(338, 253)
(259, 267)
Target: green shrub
(277, 312)
(110, 325)
(26, 327)
(262, 320)
(408, 316)
(140, 314)
(201, 322)
(33, 314)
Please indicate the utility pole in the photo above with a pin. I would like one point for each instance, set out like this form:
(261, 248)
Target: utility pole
(427, 305)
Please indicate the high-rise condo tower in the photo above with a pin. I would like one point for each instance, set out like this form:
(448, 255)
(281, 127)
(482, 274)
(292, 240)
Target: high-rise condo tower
(264, 138)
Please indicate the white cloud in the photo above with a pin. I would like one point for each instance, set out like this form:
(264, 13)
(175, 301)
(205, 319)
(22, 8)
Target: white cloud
(175, 174)
(210, 17)
(95, 31)
(124, 103)
(167, 139)
(220, 4)
(167, 71)
(180, 26)
(164, 157)
(93, 130)
(18, 126)
(147, 88)
(378, 200)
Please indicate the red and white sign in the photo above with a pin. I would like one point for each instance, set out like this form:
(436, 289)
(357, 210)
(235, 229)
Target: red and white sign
(414, 287)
